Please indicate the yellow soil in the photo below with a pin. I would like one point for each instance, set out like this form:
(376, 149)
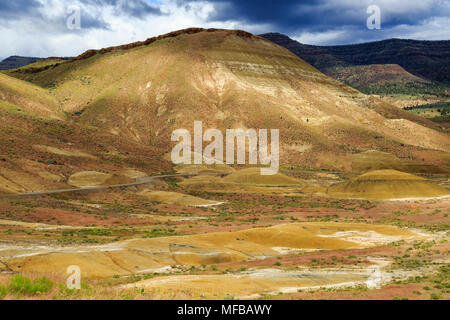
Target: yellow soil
(28, 176)
(378, 160)
(177, 198)
(29, 97)
(61, 152)
(88, 179)
(12, 181)
(142, 255)
(387, 184)
(133, 173)
(253, 176)
(93, 178)
(203, 168)
(247, 284)
(217, 184)
(9, 187)
(201, 180)
(247, 180)
(39, 169)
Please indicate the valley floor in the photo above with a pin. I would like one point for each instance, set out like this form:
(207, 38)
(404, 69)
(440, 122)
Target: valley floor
(257, 245)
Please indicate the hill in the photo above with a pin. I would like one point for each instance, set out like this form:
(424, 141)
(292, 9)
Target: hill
(407, 67)
(41, 149)
(14, 62)
(30, 97)
(374, 75)
(387, 184)
(376, 160)
(102, 123)
(425, 59)
(143, 91)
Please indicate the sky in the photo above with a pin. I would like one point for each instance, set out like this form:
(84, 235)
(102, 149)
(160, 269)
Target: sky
(43, 28)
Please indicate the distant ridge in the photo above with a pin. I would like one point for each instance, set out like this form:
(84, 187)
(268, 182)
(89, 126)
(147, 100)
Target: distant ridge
(425, 59)
(14, 62)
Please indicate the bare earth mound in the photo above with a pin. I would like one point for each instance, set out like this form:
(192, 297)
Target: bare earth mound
(251, 284)
(378, 160)
(242, 181)
(212, 184)
(145, 255)
(203, 168)
(32, 178)
(253, 176)
(387, 184)
(178, 199)
(93, 178)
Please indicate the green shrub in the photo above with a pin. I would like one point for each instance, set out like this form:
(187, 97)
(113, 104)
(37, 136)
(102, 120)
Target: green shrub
(22, 285)
(19, 284)
(3, 292)
(434, 296)
(42, 285)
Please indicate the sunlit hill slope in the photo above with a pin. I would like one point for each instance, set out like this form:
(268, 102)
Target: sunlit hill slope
(141, 92)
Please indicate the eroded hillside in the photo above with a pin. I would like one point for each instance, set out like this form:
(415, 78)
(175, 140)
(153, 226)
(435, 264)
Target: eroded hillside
(228, 79)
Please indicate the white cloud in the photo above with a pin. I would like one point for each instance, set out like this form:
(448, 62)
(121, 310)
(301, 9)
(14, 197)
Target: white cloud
(42, 31)
(319, 37)
(430, 29)
(45, 34)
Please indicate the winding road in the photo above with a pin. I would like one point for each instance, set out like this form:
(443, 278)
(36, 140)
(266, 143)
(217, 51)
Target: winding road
(139, 181)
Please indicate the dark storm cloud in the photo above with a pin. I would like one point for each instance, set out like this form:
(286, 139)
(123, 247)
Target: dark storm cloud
(321, 15)
(90, 11)
(283, 13)
(40, 27)
(313, 12)
(135, 8)
(286, 16)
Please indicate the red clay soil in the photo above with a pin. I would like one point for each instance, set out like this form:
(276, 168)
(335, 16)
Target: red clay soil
(324, 257)
(78, 219)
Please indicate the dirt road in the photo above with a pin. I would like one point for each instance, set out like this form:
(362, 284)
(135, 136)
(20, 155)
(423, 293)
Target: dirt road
(139, 181)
